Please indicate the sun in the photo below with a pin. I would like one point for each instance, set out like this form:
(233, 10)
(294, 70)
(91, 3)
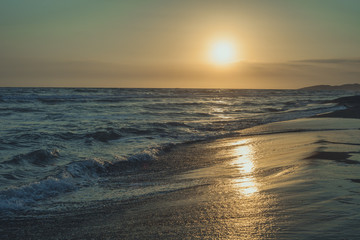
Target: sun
(222, 52)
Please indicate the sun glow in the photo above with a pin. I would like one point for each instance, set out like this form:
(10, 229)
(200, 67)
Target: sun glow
(222, 52)
(246, 184)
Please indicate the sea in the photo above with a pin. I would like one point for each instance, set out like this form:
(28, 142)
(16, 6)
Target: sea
(67, 148)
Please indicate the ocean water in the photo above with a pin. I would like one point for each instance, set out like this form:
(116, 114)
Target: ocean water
(66, 148)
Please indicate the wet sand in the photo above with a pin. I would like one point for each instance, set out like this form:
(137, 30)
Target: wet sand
(288, 180)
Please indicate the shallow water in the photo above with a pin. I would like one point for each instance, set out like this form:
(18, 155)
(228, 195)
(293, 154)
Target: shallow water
(65, 148)
(274, 181)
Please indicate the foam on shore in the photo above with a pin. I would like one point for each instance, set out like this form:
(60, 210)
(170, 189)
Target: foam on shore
(287, 180)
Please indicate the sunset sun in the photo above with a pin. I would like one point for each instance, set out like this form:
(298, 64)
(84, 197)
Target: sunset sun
(163, 119)
(223, 52)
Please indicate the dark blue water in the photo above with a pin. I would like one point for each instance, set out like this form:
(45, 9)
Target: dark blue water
(58, 146)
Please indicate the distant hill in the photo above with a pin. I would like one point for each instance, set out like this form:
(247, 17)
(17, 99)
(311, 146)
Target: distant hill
(349, 87)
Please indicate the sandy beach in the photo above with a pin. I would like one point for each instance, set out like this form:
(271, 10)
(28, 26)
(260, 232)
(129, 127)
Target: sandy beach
(287, 180)
(179, 120)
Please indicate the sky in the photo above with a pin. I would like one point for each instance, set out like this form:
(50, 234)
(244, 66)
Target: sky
(167, 43)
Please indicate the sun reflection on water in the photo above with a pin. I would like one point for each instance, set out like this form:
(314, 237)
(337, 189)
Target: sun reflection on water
(254, 214)
(247, 186)
(246, 183)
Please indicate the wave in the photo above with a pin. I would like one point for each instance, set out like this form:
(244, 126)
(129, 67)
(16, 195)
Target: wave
(20, 110)
(47, 99)
(38, 158)
(9, 176)
(69, 136)
(111, 134)
(62, 99)
(145, 119)
(253, 103)
(94, 168)
(136, 131)
(313, 110)
(104, 136)
(85, 169)
(71, 177)
(86, 90)
(112, 99)
(20, 198)
(273, 110)
(171, 124)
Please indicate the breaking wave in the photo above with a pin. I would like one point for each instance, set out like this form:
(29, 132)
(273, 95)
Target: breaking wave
(56, 141)
(71, 177)
(38, 157)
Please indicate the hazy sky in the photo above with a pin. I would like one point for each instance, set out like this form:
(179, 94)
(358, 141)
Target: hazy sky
(166, 43)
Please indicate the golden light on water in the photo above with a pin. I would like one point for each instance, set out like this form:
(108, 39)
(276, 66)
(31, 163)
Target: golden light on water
(249, 200)
(234, 183)
(246, 183)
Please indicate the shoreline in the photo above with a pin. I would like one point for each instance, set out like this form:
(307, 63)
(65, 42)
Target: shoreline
(352, 104)
(272, 181)
(275, 183)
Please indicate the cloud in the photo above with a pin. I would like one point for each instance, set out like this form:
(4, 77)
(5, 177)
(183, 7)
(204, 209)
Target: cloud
(332, 61)
(295, 74)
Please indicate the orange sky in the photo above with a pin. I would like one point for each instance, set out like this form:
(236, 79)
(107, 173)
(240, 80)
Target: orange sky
(165, 43)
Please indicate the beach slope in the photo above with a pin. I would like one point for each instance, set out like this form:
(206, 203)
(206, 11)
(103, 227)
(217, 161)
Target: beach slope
(287, 180)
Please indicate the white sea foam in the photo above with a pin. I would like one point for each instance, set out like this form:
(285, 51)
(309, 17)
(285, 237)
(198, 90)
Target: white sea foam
(18, 198)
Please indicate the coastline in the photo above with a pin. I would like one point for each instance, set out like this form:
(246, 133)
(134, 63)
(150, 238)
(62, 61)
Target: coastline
(352, 110)
(294, 179)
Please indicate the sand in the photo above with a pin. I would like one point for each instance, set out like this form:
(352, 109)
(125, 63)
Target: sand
(288, 180)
